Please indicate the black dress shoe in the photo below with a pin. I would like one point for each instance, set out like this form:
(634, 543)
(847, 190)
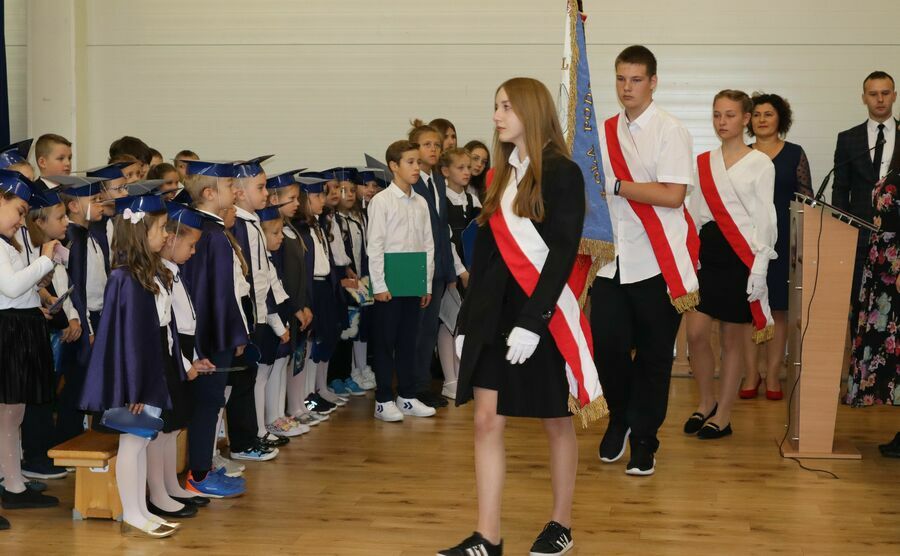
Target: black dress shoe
(892, 445)
(197, 501)
(431, 399)
(36, 486)
(186, 511)
(4, 524)
(696, 421)
(711, 431)
(27, 499)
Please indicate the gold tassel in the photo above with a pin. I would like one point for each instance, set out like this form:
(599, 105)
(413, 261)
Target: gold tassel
(593, 411)
(686, 302)
(573, 76)
(764, 335)
(602, 252)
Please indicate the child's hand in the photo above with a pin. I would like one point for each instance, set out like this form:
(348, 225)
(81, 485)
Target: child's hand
(426, 300)
(383, 297)
(286, 337)
(135, 408)
(350, 283)
(49, 301)
(46, 313)
(238, 351)
(91, 339)
(201, 367)
(307, 318)
(352, 275)
(464, 278)
(47, 248)
(46, 280)
(71, 332)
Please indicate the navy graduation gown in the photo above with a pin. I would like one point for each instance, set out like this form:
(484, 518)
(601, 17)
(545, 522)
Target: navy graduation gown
(209, 280)
(127, 365)
(97, 230)
(77, 237)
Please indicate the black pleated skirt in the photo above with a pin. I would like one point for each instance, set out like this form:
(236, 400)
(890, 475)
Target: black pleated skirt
(26, 358)
(723, 278)
(176, 418)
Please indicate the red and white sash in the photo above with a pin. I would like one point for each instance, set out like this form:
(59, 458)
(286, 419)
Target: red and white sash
(672, 234)
(736, 225)
(524, 252)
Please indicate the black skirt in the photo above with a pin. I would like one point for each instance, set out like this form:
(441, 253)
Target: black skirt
(26, 358)
(176, 418)
(723, 278)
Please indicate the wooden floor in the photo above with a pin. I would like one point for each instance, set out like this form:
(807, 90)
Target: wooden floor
(355, 486)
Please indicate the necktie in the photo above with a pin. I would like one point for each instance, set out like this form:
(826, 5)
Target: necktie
(879, 152)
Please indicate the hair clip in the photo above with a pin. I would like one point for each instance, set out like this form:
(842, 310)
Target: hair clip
(133, 216)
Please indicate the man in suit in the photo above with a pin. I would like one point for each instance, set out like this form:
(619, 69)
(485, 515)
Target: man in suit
(855, 174)
(433, 188)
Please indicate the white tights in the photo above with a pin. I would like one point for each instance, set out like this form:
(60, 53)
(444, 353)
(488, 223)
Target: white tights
(276, 391)
(131, 478)
(298, 387)
(10, 464)
(162, 475)
(446, 344)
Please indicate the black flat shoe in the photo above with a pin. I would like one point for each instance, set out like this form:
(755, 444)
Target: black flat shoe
(36, 486)
(892, 445)
(197, 501)
(186, 511)
(269, 440)
(696, 421)
(711, 431)
(27, 499)
(4, 524)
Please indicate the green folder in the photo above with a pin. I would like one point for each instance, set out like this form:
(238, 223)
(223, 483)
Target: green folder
(406, 273)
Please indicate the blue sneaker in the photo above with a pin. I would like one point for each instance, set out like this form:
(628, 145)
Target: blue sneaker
(353, 388)
(339, 387)
(256, 453)
(214, 487)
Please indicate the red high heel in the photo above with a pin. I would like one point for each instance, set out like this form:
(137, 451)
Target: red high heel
(751, 393)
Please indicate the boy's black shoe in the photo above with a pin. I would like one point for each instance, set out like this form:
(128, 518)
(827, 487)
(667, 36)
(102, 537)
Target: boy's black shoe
(27, 499)
(642, 462)
(476, 545)
(553, 541)
(612, 447)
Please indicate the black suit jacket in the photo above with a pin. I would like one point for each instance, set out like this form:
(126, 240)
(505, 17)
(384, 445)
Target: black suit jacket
(440, 230)
(854, 176)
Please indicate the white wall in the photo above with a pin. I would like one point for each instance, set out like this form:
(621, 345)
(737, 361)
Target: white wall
(319, 82)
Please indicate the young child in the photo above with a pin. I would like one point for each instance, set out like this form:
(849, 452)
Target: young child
(447, 130)
(155, 159)
(26, 359)
(169, 175)
(481, 162)
(180, 161)
(462, 208)
(398, 223)
(135, 148)
(114, 186)
(82, 197)
(214, 279)
(53, 154)
(266, 292)
(289, 260)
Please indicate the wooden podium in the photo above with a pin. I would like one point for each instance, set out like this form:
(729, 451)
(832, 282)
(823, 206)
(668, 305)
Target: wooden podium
(822, 256)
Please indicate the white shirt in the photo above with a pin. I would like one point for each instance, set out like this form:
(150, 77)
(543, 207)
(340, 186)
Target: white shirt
(398, 223)
(163, 301)
(890, 132)
(109, 235)
(338, 251)
(60, 278)
(753, 178)
(323, 266)
(96, 275)
(263, 272)
(185, 317)
(357, 239)
(460, 200)
(425, 178)
(666, 151)
(18, 281)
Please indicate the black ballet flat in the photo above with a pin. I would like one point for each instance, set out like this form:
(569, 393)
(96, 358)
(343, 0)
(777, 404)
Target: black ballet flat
(197, 501)
(711, 431)
(4, 524)
(186, 511)
(696, 421)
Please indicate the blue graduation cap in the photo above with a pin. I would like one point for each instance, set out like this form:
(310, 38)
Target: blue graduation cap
(342, 174)
(15, 183)
(374, 163)
(78, 186)
(183, 198)
(214, 169)
(140, 203)
(250, 168)
(187, 216)
(145, 187)
(42, 196)
(366, 175)
(282, 180)
(15, 153)
(312, 184)
(109, 171)
(270, 213)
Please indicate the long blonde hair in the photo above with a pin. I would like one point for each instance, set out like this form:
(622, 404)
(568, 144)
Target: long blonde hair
(532, 103)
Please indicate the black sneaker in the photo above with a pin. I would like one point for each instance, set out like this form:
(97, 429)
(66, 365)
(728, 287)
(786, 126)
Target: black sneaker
(27, 499)
(43, 470)
(642, 462)
(612, 447)
(431, 399)
(269, 440)
(476, 545)
(317, 404)
(553, 541)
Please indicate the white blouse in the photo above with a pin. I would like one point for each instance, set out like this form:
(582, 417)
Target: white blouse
(18, 280)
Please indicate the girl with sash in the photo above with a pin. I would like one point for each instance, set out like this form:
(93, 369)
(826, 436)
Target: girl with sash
(523, 342)
(735, 214)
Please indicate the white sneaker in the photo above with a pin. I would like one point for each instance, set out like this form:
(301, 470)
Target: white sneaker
(414, 407)
(361, 380)
(449, 390)
(368, 375)
(232, 468)
(388, 412)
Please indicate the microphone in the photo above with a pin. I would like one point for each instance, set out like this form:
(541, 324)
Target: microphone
(844, 163)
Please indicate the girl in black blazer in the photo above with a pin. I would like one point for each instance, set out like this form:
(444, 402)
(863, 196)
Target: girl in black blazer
(509, 362)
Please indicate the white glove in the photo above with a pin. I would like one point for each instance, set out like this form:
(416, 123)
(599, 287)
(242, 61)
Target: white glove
(459, 345)
(756, 287)
(522, 344)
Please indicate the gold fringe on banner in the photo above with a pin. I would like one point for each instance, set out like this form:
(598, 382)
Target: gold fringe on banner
(686, 302)
(764, 335)
(573, 75)
(593, 411)
(602, 252)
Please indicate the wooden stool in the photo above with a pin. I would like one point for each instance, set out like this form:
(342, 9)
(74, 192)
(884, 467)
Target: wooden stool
(93, 455)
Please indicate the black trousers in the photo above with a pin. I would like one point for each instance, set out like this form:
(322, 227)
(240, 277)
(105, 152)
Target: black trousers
(38, 434)
(635, 317)
(207, 395)
(241, 406)
(394, 325)
(426, 337)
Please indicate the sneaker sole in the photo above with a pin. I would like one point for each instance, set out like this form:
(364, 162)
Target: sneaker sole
(417, 415)
(41, 476)
(267, 457)
(358, 394)
(634, 471)
(389, 419)
(621, 453)
(563, 551)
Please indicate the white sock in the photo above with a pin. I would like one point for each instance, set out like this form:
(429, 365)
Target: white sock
(156, 472)
(275, 391)
(259, 397)
(132, 449)
(446, 345)
(173, 487)
(11, 416)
